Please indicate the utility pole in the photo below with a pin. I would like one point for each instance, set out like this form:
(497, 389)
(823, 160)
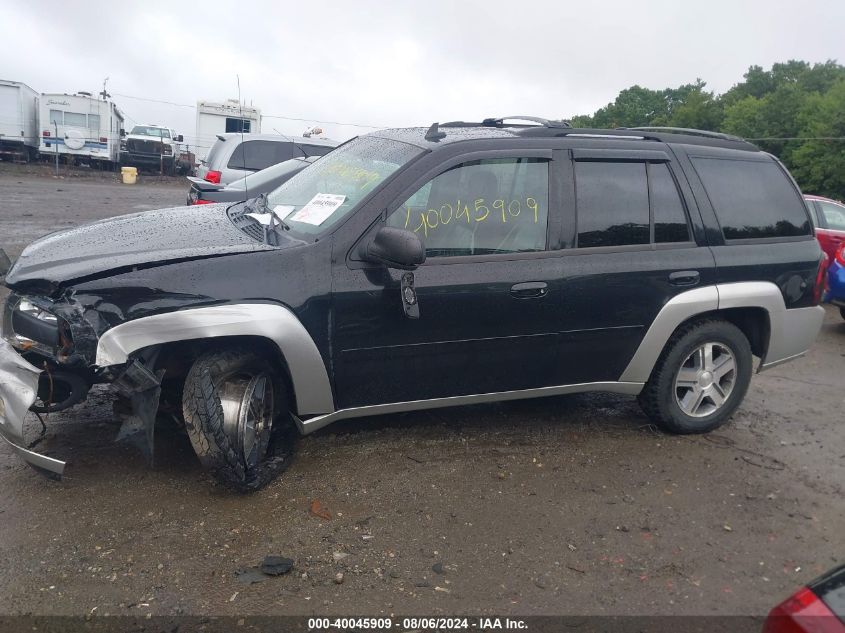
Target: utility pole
(56, 142)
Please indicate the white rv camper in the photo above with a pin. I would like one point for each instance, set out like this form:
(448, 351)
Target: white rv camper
(18, 120)
(215, 118)
(80, 126)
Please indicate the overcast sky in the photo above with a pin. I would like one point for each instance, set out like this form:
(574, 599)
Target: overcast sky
(400, 62)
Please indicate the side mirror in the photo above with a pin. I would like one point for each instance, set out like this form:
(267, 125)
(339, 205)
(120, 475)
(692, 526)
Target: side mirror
(395, 248)
(122, 132)
(179, 138)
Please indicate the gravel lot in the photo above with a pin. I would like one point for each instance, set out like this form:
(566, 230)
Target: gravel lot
(564, 505)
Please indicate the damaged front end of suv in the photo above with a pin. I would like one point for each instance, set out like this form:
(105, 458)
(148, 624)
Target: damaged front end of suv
(71, 292)
(48, 364)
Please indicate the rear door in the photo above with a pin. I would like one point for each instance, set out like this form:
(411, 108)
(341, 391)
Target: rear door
(633, 240)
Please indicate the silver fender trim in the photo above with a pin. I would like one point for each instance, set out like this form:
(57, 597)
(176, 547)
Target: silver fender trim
(791, 332)
(316, 423)
(275, 322)
(677, 310)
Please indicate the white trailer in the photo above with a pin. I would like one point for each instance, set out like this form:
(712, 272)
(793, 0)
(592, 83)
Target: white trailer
(80, 127)
(215, 118)
(18, 120)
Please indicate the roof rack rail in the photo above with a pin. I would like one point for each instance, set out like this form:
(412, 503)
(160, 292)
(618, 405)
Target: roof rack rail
(500, 121)
(686, 130)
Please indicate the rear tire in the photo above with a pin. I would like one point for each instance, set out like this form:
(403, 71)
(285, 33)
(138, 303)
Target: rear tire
(237, 417)
(700, 378)
(842, 312)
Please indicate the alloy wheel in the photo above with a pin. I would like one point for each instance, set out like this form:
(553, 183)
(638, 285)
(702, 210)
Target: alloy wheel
(705, 380)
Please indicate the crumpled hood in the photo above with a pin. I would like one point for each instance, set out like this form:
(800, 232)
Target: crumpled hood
(131, 240)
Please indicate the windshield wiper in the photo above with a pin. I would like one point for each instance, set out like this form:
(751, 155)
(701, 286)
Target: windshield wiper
(262, 200)
(259, 210)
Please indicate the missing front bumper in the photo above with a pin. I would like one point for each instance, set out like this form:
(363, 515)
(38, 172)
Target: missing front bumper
(18, 389)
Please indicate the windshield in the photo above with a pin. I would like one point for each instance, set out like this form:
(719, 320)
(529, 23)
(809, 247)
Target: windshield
(146, 130)
(324, 193)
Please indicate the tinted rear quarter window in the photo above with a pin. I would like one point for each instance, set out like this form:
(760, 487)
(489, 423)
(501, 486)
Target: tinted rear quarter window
(753, 199)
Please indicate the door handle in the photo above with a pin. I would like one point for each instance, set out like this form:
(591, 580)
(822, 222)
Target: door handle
(530, 289)
(684, 278)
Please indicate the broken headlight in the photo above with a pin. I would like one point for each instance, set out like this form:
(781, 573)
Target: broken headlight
(29, 326)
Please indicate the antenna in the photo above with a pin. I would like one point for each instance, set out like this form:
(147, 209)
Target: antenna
(293, 140)
(243, 145)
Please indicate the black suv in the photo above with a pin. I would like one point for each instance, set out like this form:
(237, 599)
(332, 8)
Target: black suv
(421, 268)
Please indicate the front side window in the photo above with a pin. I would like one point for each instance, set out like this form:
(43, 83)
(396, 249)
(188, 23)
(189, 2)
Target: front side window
(834, 215)
(75, 119)
(322, 194)
(480, 207)
(753, 199)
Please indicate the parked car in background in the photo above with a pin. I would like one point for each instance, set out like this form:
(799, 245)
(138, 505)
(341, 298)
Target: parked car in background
(422, 268)
(151, 146)
(829, 219)
(234, 156)
(836, 280)
(817, 608)
(264, 181)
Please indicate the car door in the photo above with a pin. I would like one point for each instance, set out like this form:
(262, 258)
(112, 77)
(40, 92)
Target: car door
(831, 230)
(630, 246)
(488, 293)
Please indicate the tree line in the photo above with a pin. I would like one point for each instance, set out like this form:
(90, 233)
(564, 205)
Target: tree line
(795, 110)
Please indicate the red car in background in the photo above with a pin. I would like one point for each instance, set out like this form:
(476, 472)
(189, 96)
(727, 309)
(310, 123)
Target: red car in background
(817, 608)
(829, 219)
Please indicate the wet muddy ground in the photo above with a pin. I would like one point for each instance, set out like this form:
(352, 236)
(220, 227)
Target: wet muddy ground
(563, 505)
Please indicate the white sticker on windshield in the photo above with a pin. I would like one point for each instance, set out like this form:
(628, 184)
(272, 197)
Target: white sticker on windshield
(318, 208)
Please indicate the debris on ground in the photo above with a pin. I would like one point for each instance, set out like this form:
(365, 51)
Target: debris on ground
(319, 510)
(437, 568)
(276, 565)
(250, 575)
(338, 578)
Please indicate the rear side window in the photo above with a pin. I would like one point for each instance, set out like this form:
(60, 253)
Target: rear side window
(612, 204)
(752, 199)
(834, 215)
(670, 219)
(257, 155)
